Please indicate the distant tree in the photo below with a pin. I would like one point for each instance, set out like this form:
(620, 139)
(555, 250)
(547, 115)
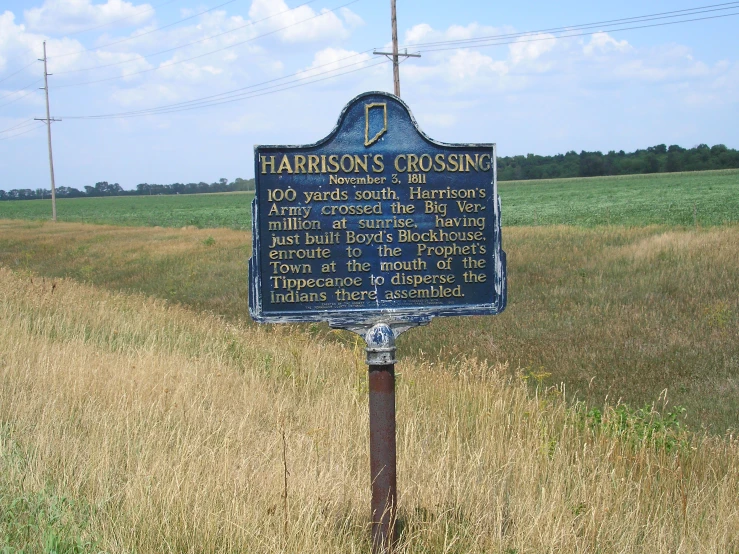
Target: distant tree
(242, 184)
(674, 161)
(101, 188)
(703, 152)
(68, 192)
(651, 163)
(591, 164)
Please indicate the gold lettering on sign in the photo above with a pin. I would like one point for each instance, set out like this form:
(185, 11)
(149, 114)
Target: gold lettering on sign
(367, 107)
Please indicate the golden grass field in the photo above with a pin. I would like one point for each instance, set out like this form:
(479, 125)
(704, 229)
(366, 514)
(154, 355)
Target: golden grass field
(614, 312)
(129, 424)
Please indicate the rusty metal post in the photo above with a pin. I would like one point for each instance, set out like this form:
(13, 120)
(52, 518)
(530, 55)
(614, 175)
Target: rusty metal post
(381, 360)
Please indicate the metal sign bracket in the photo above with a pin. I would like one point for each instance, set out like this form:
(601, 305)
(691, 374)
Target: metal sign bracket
(380, 337)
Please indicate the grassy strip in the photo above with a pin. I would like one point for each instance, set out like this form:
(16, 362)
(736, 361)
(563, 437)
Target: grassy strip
(205, 269)
(705, 198)
(231, 210)
(163, 428)
(610, 312)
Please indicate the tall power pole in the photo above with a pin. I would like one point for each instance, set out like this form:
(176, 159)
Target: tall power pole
(48, 120)
(396, 64)
(394, 54)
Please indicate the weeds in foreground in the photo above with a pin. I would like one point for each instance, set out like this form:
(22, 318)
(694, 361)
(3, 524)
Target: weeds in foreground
(132, 425)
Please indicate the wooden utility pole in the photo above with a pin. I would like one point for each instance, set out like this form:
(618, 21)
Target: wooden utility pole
(394, 54)
(48, 120)
(396, 65)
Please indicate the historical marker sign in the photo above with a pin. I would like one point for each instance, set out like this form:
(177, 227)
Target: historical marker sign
(376, 222)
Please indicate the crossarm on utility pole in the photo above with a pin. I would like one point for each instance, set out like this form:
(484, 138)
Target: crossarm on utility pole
(394, 55)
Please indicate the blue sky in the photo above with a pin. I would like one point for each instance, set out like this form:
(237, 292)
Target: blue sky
(608, 88)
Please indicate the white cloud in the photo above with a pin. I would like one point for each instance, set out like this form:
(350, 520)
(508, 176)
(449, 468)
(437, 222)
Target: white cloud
(301, 24)
(423, 33)
(230, 55)
(455, 70)
(14, 42)
(335, 59)
(224, 61)
(418, 33)
(470, 64)
(603, 43)
(531, 47)
(68, 16)
(581, 67)
(188, 71)
(18, 47)
(136, 96)
(352, 19)
(657, 65)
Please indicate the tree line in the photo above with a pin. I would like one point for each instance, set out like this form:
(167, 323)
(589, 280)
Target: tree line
(103, 188)
(655, 159)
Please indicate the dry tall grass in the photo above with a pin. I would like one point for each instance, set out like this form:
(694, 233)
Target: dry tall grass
(160, 429)
(615, 312)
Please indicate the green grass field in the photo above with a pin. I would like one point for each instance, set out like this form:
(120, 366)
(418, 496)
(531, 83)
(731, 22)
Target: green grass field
(231, 210)
(705, 198)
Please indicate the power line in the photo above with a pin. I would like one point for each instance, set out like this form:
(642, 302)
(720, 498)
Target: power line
(19, 134)
(22, 124)
(20, 90)
(198, 41)
(19, 97)
(277, 88)
(261, 89)
(135, 37)
(611, 22)
(571, 35)
(235, 92)
(195, 104)
(16, 73)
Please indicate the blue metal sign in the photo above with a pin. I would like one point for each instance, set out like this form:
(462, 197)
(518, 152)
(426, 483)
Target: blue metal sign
(375, 222)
